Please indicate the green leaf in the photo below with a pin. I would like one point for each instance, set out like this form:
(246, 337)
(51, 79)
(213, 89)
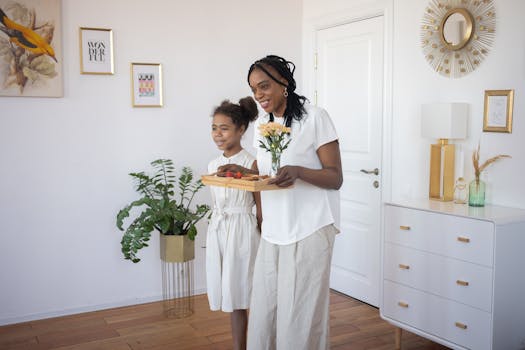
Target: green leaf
(122, 214)
(192, 232)
(164, 225)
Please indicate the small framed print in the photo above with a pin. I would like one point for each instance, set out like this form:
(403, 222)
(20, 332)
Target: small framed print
(96, 51)
(146, 84)
(497, 116)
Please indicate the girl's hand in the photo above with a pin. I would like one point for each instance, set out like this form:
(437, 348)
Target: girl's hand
(234, 168)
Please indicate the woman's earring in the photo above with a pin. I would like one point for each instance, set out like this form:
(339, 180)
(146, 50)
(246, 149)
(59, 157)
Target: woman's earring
(285, 93)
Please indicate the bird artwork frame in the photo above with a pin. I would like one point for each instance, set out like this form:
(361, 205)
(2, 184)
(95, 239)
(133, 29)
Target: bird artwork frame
(31, 48)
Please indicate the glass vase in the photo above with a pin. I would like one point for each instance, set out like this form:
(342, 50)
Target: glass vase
(460, 191)
(476, 193)
(276, 163)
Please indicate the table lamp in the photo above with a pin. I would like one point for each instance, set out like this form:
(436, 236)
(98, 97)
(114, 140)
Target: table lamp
(443, 121)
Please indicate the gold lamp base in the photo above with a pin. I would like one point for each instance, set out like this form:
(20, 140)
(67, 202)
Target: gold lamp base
(442, 171)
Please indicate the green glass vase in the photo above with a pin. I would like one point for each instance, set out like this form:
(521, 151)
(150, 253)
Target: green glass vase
(476, 193)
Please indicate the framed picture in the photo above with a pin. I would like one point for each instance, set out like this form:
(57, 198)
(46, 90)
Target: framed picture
(96, 51)
(497, 116)
(30, 48)
(146, 84)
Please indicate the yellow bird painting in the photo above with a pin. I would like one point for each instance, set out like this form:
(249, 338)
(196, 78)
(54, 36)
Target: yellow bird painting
(25, 38)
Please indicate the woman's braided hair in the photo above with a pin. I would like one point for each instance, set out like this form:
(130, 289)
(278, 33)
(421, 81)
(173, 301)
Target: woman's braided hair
(294, 102)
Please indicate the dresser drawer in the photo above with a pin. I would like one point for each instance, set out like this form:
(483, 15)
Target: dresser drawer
(457, 323)
(458, 237)
(454, 279)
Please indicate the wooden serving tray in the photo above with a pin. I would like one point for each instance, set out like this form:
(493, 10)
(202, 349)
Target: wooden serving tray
(260, 184)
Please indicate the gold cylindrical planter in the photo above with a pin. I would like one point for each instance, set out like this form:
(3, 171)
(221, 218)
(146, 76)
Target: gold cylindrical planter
(176, 248)
(177, 254)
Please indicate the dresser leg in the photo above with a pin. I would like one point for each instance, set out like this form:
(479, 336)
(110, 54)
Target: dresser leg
(398, 338)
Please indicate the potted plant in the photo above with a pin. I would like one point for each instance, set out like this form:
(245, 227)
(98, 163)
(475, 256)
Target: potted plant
(164, 210)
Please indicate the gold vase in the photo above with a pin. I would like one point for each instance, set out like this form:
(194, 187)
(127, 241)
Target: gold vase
(176, 248)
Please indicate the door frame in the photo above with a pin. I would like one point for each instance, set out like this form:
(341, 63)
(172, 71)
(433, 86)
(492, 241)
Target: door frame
(383, 8)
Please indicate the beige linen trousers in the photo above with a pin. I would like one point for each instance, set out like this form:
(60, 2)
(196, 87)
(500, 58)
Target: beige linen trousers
(290, 296)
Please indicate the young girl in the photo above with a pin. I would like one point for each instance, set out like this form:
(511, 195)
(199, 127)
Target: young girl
(233, 234)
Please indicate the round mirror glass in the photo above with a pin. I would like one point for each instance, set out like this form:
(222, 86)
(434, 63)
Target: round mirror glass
(456, 29)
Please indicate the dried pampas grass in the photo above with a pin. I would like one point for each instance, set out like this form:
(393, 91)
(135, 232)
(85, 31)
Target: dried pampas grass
(478, 169)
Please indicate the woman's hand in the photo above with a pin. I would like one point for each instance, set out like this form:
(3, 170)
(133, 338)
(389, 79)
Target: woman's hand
(330, 176)
(286, 176)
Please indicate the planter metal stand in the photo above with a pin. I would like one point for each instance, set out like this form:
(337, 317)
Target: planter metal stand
(177, 289)
(177, 254)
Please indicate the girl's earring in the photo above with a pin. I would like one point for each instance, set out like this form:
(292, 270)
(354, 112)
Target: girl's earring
(285, 93)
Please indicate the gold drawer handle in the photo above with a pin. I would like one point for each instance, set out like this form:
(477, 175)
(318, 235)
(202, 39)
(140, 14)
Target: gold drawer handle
(404, 267)
(462, 283)
(461, 325)
(402, 304)
(404, 228)
(464, 239)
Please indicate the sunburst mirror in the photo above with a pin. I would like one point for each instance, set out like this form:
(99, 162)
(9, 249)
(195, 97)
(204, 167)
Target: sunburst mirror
(456, 35)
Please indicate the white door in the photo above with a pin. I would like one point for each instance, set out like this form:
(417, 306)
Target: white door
(349, 85)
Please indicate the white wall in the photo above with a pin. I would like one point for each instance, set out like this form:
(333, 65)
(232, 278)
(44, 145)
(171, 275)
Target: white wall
(415, 83)
(65, 161)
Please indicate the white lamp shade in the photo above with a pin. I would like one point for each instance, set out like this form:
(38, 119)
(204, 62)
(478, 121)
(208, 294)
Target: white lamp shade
(444, 120)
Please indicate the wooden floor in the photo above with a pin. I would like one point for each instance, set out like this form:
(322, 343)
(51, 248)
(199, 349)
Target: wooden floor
(354, 325)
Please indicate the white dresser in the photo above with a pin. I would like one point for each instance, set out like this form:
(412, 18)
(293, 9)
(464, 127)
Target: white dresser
(455, 274)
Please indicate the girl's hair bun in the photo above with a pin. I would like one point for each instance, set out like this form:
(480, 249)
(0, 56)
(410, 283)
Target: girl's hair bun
(248, 108)
(241, 114)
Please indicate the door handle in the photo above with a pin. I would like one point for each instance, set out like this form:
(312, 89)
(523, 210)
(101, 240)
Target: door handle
(375, 171)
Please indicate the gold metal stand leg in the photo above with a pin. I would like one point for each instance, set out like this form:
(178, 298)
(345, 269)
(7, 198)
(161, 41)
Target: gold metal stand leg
(398, 338)
(177, 288)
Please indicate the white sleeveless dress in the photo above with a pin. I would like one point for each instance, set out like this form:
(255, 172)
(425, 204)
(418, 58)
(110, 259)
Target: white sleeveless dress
(231, 242)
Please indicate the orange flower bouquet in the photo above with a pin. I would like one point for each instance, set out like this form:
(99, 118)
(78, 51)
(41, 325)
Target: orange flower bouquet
(276, 138)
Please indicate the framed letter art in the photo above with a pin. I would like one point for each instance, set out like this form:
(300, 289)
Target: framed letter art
(146, 84)
(96, 51)
(30, 48)
(497, 116)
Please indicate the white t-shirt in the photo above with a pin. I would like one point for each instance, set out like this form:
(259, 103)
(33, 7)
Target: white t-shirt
(292, 214)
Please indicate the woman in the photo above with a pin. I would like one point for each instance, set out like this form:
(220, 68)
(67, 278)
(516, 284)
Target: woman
(290, 295)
